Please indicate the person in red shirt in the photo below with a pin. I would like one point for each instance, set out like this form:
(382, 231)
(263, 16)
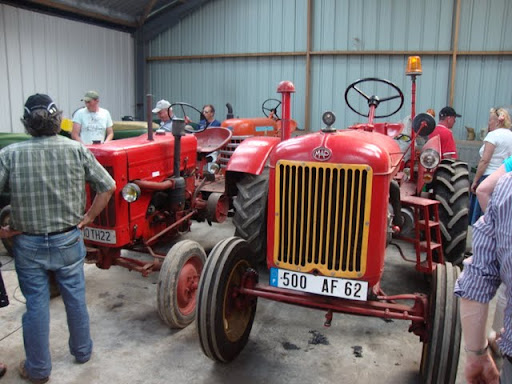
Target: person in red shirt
(447, 117)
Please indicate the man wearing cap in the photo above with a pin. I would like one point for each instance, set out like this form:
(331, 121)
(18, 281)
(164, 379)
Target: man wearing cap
(92, 122)
(46, 176)
(164, 114)
(443, 129)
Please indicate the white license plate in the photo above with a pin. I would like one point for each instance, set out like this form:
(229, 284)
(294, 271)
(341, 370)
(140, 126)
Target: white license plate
(107, 236)
(321, 285)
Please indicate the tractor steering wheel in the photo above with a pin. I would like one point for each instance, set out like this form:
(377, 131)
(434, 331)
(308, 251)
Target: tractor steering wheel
(271, 106)
(374, 99)
(192, 125)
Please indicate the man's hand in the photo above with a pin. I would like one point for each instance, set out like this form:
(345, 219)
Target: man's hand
(99, 202)
(481, 370)
(474, 186)
(6, 232)
(85, 221)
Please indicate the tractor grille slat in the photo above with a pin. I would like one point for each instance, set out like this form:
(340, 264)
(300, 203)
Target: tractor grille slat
(107, 217)
(322, 217)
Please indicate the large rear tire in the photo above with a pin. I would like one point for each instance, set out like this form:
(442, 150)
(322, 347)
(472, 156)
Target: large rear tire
(177, 283)
(5, 219)
(250, 217)
(440, 356)
(224, 316)
(451, 189)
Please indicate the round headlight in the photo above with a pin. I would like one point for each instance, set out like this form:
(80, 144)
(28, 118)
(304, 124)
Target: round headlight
(429, 158)
(131, 192)
(328, 118)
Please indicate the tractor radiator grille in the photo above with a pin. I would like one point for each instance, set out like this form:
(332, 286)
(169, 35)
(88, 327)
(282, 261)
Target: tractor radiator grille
(107, 217)
(226, 152)
(322, 217)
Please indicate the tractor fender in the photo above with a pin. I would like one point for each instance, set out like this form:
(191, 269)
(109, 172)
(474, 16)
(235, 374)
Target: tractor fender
(252, 154)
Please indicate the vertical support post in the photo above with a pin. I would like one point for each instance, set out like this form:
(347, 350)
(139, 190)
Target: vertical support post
(307, 103)
(413, 134)
(413, 97)
(455, 47)
(285, 88)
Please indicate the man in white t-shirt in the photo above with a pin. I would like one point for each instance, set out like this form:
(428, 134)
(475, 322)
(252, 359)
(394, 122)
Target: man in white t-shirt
(91, 123)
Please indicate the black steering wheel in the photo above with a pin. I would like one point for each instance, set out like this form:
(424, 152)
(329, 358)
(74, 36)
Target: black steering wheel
(192, 125)
(374, 99)
(270, 106)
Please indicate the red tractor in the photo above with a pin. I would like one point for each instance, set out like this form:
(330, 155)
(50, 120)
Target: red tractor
(162, 185)
(321, 206)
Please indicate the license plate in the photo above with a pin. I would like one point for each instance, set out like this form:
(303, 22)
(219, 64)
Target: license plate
(321, 285)
(107, 236)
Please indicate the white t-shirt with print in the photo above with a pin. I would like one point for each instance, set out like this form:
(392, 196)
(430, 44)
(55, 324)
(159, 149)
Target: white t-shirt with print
(93, 124)
(501, 138)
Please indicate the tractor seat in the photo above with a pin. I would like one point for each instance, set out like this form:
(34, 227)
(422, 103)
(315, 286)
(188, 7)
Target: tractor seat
(212, 139)
(389, 129)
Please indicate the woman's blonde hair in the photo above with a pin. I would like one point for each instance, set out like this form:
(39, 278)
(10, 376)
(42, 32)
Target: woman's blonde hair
(503, 117)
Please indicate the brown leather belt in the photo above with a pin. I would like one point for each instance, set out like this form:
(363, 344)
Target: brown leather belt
(51, 233)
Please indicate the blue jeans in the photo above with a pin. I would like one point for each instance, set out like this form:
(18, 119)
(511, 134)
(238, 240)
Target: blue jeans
(34, 256)
(475, 211)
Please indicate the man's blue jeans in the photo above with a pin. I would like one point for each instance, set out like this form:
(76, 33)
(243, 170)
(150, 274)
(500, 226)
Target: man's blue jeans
(34, 256)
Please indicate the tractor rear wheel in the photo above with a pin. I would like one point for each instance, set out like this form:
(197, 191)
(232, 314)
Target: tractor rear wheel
(441, 350)
(250, 217)
(5, 219)
(451, 189)
(177, 283)
(224, 315)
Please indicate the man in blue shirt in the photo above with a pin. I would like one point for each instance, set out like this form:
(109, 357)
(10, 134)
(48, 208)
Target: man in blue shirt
(209, 115)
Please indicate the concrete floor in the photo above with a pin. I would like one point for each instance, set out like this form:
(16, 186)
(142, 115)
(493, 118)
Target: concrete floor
(287, 344)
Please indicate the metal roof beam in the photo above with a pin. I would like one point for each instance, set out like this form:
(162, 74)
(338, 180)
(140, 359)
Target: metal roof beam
(75, 11)
(168, 17)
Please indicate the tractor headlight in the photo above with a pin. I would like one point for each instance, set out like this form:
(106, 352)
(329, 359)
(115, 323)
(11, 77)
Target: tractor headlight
(429, 158)
(131, 192)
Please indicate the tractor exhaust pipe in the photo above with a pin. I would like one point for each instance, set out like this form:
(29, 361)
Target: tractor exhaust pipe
(149, 115)
(177, 194)
(286, 88)
(230, 111)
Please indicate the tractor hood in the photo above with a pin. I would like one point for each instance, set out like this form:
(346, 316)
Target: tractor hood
(145, 159)
(378, 151)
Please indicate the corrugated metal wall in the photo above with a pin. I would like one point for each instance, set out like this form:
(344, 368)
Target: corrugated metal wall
(230, 27)
(46, 54)
(350, 39)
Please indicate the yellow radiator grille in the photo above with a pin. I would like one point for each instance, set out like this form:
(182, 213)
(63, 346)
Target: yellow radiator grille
(322, 217)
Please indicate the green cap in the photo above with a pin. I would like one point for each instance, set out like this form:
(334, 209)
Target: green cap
(91, 95)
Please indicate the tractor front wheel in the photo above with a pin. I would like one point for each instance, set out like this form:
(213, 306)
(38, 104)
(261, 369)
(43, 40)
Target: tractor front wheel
(224, 315)
(451, 189)
(177, 283)
(440, 356)
(250, 217)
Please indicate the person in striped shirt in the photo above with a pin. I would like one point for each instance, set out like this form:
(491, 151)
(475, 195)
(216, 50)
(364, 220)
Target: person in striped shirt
(490, 265)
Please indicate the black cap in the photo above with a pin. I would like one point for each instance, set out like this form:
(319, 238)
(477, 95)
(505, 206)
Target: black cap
(39, 101)
(448, 111)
